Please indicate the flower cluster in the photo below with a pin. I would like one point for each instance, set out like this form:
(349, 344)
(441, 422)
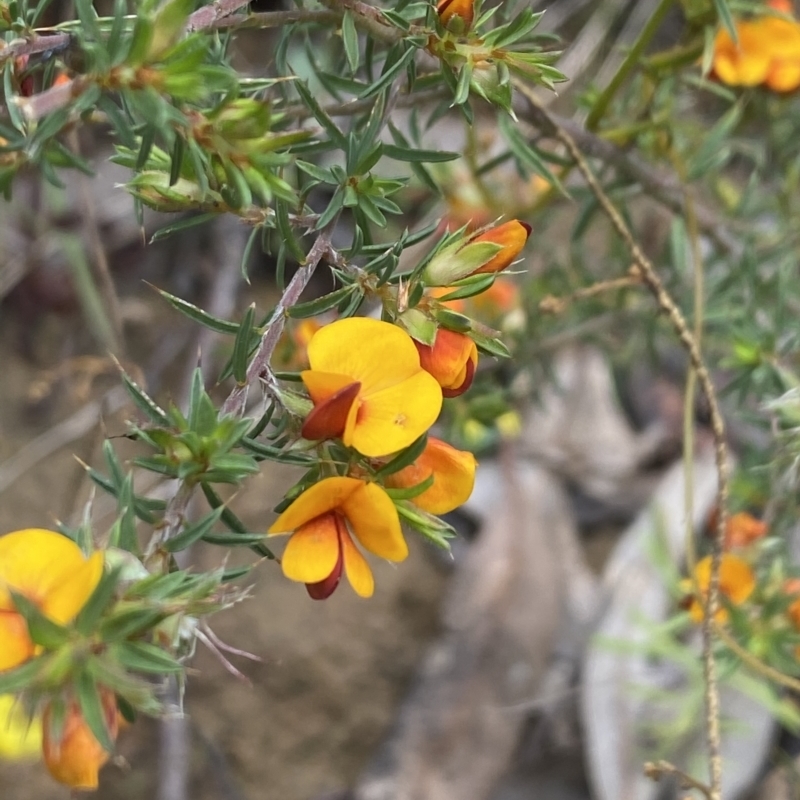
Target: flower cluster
(758, 599)
(81, 635)
(376, 388)
(767, 51)
(371, 393)
(737, 580)
(50, 572)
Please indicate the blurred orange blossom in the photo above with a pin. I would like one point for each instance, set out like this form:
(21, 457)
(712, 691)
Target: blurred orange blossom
(736, 583)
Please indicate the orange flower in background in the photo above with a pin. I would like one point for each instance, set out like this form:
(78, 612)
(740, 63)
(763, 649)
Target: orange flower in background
(292, 350)
(453, 477)
(447, 9)
(324, 521)
(76, 757)
(767, 52)
(452, 360)
(49, 570)
(368, 387)
(792, 587)
(743, 529)
(493, 307)
(471, 256)
(736, 583)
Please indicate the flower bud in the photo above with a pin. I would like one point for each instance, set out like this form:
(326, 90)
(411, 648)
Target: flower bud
(453, 474)
(451, 359)
(512, 236)
(490, 251)
(456, 14)
(76, 757)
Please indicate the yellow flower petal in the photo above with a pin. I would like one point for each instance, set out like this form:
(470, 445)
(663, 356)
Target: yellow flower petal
(784, 76)
(63, 602)
(377, 354)
(726, 68)
(49, 569)
(20, 737)
(393, 418)
(322, 385)
(745, 64)
(753, 68)
(374, 521)
(356, 568)
(736, 582)
(780, 38)
(320, 498)
(313, 550)
(453, 477)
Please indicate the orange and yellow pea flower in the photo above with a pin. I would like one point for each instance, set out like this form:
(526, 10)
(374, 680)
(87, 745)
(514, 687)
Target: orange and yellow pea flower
(76, 757)
(736, 583)
(49, 570)
(368, 387)
(451, 360)
(453, 474)
(324, 521)
(767, 52)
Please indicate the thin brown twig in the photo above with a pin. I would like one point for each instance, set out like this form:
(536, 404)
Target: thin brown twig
(677, 320)
(207, 16)
(259, 366)
(557, 305)
(263, 20)
(659, 769)
(369, 18)
(663, 187)
(36, 44)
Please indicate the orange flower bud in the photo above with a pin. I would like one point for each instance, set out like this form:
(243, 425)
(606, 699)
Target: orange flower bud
(469, 256)
(453, 477)
(512, 236)
(62, 79)
(76, 758)
(451, 360)
(465, 9)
